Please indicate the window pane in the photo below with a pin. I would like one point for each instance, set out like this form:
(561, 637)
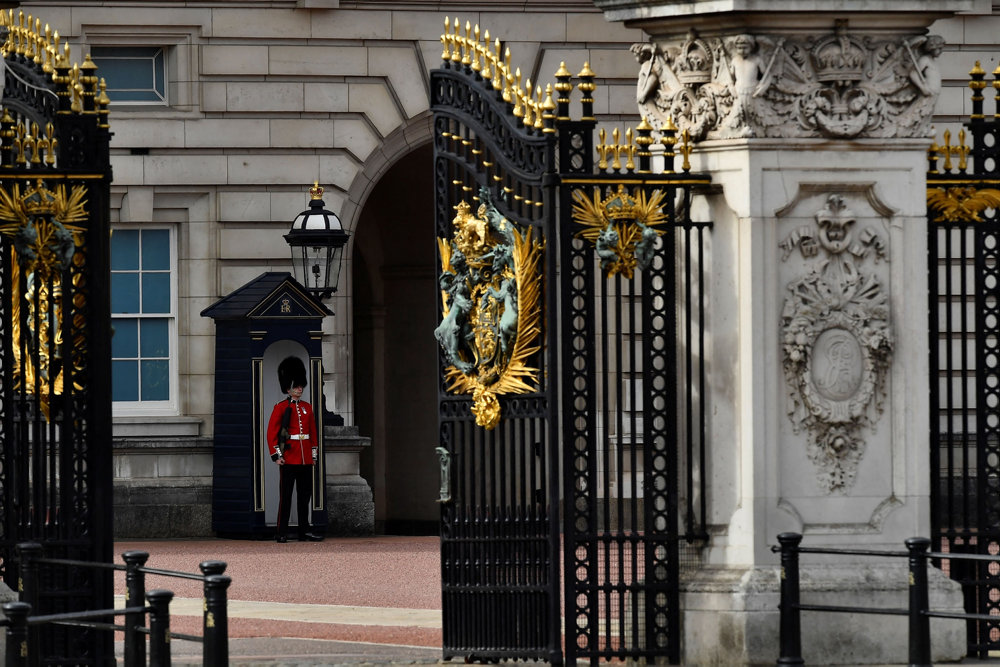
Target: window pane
(125, 250)
(124, 380)
(154, 341)
(154, 380)
(124, 292)
(133, 74)
(156, 250)
(156, 292)
(125, 341)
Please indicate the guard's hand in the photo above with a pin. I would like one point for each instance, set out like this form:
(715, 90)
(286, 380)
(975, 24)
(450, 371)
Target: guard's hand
(281, 460)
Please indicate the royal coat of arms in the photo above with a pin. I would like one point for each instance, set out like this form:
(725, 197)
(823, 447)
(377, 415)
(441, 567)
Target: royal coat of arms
(491, 315)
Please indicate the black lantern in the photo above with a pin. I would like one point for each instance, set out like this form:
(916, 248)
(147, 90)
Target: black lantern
(317, 240)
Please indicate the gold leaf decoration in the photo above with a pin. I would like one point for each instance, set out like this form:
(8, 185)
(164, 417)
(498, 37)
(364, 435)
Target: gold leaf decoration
(957, 204)
(622, 228)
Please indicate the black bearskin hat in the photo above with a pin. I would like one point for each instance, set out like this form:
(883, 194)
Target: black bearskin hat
(291, 373)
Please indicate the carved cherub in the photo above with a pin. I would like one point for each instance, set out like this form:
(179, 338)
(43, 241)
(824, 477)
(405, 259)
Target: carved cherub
(657, 84)
(925, 74)
(748, 74)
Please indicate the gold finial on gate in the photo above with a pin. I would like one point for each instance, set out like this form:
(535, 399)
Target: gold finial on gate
(616, 150)
(445, 49)
(977, 84)
(539, 110)
(602, 149)
(467, 45)
(515, 93)
(587, 87)
(529, 117)
(685, 149)
(487, 57)
(548, 110)
(499, 70)
(474, 50)
(456, 51)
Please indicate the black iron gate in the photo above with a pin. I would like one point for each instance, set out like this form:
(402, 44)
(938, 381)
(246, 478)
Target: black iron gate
(963, 211)
(630, 309)
(632, 306)
(500, 493)
(55, 429)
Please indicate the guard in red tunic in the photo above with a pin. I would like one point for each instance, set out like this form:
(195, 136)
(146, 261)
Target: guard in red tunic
(292, 441)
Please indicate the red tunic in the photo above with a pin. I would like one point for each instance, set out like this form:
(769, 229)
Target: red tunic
(301, 431)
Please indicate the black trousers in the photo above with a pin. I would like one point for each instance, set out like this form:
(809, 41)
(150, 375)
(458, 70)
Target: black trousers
(300, 479)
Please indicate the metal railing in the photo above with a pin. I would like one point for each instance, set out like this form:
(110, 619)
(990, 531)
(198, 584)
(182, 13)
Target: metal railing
(918, 611)
(23, 630)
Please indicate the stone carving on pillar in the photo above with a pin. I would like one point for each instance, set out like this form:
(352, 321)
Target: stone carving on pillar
(836, 342)
(839, 85)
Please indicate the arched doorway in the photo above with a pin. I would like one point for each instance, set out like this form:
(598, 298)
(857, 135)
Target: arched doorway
(395, 358)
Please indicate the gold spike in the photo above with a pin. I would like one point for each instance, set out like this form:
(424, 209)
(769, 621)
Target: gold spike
(517, 93)
(539, 110)
(686, 149)
(562, 71)
(445, 52)
(963, 151)
(548, 109)
(508, 86)
(529, 118)
(52, 142)
(456, 53)
(499, 72)
(602, 150)
(630, 149)
(474, 49)
(616, 163)
(586, 71)
(977, 69)
(487, 57)
(946, 149)
(467, 45)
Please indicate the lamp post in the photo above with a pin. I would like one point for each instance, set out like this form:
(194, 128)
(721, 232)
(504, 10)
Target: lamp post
(317, 239)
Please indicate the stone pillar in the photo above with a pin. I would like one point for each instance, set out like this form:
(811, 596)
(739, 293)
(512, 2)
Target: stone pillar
(349, 504)
(816, 124)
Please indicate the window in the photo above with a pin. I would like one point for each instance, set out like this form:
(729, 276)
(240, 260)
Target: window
(142, 311)
(134, 74)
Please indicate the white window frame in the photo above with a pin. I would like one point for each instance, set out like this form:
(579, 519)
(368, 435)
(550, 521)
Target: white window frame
(170, 406)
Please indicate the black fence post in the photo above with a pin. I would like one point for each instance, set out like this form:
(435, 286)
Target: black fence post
(28, 554)
(790, 632)
(17, 633)
(216, 630)
(920, 622)
(135, 596)
(159, 627)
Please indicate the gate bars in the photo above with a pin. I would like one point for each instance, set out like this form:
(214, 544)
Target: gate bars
(963, 214)
(630, 303)
(629, 251)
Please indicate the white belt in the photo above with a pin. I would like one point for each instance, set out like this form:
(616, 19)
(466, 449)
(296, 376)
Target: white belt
(299, 436)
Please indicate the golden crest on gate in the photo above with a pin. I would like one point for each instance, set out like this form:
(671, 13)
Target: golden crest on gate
(490, 287)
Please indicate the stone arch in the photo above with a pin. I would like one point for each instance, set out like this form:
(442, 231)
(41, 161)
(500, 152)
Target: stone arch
(392, 314)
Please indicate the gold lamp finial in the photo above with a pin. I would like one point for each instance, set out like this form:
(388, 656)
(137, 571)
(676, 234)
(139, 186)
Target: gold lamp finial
(316, 191)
